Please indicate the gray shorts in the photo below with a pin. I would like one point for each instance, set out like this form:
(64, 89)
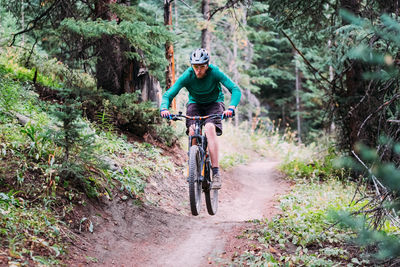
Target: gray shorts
(195, 109)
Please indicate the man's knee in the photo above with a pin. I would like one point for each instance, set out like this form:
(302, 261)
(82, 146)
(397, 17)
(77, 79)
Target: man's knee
(191, 129)
(210, 129)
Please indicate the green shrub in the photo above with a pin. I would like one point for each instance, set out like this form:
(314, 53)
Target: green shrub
(232, 160)
(40, 144)
(9, 95)
(167, 134)
(303, 235)
(377, 222)
(135, 116)
(317, 169)
(29, 233)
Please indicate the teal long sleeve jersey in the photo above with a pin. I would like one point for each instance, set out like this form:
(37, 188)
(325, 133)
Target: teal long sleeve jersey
(203, 91)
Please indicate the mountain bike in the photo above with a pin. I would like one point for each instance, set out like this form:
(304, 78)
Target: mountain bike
(199, 166)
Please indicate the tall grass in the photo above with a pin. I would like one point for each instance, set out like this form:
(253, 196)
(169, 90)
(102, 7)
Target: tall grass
(241, 144)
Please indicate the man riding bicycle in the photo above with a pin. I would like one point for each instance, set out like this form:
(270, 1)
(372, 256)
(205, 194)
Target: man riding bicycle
(203, 81)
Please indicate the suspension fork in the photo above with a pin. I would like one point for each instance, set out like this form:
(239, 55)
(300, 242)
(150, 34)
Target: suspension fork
(202, 145)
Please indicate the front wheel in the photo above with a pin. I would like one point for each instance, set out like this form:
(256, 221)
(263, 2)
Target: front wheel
(211, 195)
(194, 180)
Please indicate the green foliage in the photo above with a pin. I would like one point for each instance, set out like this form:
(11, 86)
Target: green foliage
(40, 146)
(140, 161)
(233, 160)
(319, 169)
(77, 142)
(302, 234)
(48, 72)
(273, 66)
(104, 116)
(386, 244)
(141, 35)
(166, 134)
(9, 95)
(32, 235)
(137, 117)
(374, 230)
(7, 26)
(383, 51)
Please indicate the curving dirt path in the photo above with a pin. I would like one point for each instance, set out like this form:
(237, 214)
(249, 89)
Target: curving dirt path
(150, 236)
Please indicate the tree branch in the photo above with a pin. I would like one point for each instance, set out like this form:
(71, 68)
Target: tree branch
(396, 96)
(31, 52)
(229, 4)
(305, 59)
(34, 22)
(185, 4)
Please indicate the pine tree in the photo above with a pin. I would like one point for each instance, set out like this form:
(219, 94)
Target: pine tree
(119, 41)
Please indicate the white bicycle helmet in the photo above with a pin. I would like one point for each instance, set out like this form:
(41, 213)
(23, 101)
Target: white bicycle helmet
(199, 56)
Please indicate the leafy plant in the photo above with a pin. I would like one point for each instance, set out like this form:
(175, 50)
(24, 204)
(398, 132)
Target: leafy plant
(231, 160)
(8, 96)
(376, 222)
(303, 234)
(40, 145)
(104, 117)
(133, 115)
(319, 168)
(30, 234)
(166, 133)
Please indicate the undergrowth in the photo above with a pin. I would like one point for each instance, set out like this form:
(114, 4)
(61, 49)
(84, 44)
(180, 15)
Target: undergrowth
(52, 158)
(309, 232)
(240, 145)
(305, 234)
(29, 235)
(320, 167)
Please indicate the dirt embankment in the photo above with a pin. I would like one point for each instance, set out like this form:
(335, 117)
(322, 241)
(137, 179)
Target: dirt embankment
(165, 234)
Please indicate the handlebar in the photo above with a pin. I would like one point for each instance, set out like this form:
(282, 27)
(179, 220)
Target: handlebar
(176, 117)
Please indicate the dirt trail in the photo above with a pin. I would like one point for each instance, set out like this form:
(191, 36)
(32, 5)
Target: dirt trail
(145, 236)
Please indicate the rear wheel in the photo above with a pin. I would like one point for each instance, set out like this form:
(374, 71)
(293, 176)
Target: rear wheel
(211, 195)
(194, 180)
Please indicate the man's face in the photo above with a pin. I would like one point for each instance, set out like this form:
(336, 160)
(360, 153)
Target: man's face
(200, 70)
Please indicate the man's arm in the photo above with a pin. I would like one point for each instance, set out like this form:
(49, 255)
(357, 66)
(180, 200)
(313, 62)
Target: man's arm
(232, 87)
(170, 94)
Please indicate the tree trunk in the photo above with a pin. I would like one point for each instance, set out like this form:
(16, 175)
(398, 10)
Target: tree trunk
(235, 70)
(248, 57)
(22, 22)
(137, 78)
(205, 34)
(332, 127)
(354, 87)
(298, 88)
(169, 50)
(114, 72)
(110, 49)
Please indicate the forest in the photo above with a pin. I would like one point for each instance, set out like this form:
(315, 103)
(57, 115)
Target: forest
(81, 83)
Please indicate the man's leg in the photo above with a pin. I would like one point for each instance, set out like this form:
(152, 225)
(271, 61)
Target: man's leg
(212, 143)
(213, 148)
(191, 132)
(193, 109)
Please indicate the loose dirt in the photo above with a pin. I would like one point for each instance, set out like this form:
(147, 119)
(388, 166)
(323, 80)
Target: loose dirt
(165, 234)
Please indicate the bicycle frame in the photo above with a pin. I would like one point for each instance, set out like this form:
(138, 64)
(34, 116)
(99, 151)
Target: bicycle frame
(201, 138)
(201, 142)
(199, 174)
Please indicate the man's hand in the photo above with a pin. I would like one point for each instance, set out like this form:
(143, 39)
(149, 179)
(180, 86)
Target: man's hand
(165, 113)
(230, 112)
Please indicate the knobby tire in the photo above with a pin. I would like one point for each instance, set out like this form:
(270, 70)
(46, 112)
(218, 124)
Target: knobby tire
(211, 195)
(194, 185)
